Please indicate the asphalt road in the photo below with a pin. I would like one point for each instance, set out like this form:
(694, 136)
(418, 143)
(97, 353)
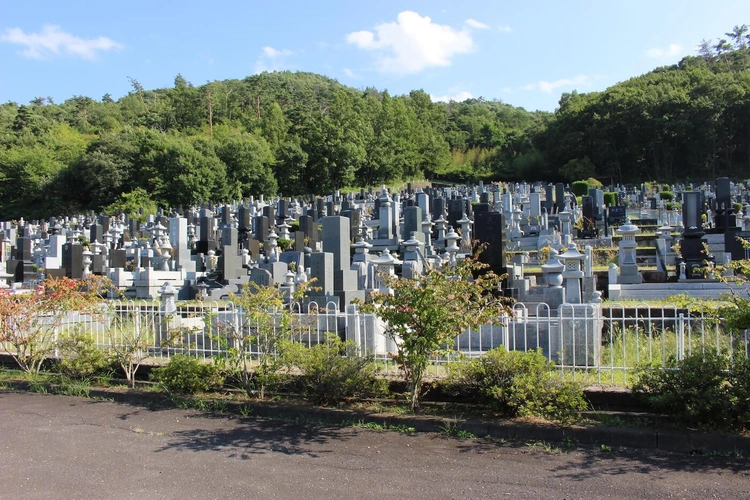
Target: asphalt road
(65, 447)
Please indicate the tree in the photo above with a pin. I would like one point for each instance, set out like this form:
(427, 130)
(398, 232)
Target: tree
(29, 322)
(424, 315)
(738, 35)
(262, 323)
(131, 335)
(248, 161)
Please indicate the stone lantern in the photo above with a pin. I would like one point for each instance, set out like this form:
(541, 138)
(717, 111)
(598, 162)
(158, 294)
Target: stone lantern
(515, 232)
(273, 245)
(451, 248)
(412, 267)
(284, 230)
(386, 264)
(201, 291)
(628, 267)
(166, 255)
(465, 230)
(87, 262)
(573, 273)
(552, 270)
(441, 225)
(5, 278)
(360, 261)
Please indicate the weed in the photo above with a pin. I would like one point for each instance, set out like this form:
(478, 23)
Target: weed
(219, 405)
(245, 410)
(452, 429)
(569, 442)
(605, 448)
(72, 387)
(384, 427)
(547, 447)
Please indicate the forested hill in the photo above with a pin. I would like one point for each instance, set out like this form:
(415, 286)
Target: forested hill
(301, 133)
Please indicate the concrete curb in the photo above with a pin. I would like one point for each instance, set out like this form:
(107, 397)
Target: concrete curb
(682, 441)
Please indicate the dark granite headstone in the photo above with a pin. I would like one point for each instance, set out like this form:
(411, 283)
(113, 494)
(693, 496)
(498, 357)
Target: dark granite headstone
(488, 229)
(73, 260)
(559, 197)
(438, 207)
(243, 214)
(283, 209)
(269, 212)
(118, 258)
(96, 233)
(261, 228)
(455, 212)
(617, 215)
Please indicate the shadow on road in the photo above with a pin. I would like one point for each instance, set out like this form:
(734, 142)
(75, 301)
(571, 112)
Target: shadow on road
(593, 463)
(243, 438)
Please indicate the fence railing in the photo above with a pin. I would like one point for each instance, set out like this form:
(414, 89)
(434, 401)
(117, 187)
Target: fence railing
(599, 344)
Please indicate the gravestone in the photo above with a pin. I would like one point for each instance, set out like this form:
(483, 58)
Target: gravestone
(413, 223)
(438, 207)
(25, 269)
(488, 229)
(559, 197)
(269, 212)
(73, 260)
(549, 202)
(261, 228)
(118, 258)
(455, 212)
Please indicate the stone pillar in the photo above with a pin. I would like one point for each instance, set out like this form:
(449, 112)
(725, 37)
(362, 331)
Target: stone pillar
(665, 256)
(628, 267)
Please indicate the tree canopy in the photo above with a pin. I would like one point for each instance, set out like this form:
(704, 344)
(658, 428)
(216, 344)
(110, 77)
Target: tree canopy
(300, 133)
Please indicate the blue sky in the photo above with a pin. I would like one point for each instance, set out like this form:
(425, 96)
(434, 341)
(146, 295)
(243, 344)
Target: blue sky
(524, 53)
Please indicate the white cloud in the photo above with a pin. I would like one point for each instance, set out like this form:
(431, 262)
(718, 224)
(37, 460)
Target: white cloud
(505, 28)
(673, 50)
(548, 87)
(52, 41)
(460, 96)
(272, 59)
(412, 43)
(476, 24)
(349, 73)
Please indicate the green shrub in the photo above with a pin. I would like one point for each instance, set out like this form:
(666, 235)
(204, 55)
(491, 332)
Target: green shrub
(610, 198)
(80, 358)
(666, 195)
(186, 375)
(328, 375)
(518, 384)
(698, 390)
(580, 188)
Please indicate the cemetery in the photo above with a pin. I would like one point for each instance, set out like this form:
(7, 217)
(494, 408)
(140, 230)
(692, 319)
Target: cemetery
(577, 271)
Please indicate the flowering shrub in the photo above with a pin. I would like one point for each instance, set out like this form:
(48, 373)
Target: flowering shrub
(425, 314)
(29, 321)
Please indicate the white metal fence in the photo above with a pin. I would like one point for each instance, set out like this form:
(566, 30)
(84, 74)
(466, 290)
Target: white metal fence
(601, 344)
